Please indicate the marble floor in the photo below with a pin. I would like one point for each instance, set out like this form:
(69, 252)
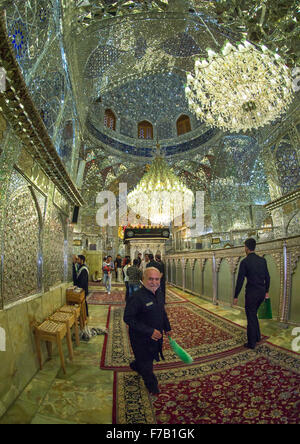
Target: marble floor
(85, 394)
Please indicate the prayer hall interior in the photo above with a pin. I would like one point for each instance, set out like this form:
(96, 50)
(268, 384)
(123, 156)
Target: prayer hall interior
(168, 127)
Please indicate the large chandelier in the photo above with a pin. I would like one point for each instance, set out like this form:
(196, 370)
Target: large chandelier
(160, 197)
(240, 88)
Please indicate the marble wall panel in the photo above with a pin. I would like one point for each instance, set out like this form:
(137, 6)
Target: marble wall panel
(188, 282)
(198, 281)
(8, 391)
(23, 348)
(208, 280)
(225, 283)
(35, 311)
(294, 312)
(174, 272)
(56, 297)
(274, 291)
(19, 361)
(179, 274)
(47, 304)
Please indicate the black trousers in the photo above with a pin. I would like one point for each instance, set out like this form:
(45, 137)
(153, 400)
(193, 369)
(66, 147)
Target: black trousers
(127, 291)
(145, 369)
(253, 302)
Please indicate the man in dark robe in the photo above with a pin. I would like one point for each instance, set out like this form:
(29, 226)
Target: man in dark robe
(161, 268)
(82, 279)
(147, 320)
(255, 269)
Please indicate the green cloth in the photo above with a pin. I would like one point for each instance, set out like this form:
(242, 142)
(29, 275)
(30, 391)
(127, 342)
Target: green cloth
(182, 354)
(265, 310)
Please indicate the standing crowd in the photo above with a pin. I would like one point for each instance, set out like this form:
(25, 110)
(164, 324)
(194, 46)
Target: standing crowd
(131, 272)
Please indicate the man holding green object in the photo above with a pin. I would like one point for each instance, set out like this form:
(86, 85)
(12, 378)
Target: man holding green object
(255, 269)
(147, 320)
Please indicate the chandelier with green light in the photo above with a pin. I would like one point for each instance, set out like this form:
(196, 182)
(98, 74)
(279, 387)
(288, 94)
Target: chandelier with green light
(160, 197)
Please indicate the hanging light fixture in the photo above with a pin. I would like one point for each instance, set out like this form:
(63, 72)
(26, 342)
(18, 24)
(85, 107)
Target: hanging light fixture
(239, 89)
(160, 197)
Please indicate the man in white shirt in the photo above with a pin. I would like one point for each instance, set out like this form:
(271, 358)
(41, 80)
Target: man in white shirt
(107, 269)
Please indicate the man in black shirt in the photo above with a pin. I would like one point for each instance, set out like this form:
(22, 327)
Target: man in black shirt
(82, 279)
(255, 269)
(147, 319)
(163, 277)
(139, 258)
(118, 268)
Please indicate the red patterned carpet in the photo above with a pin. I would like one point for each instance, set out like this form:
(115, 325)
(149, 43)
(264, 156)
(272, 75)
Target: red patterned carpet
(99, 284)
(117, 297)
(248, 387)
(204, 335)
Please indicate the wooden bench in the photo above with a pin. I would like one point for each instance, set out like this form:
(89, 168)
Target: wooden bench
(78, 298)
(76, 310)
(69, 320)
(50, 332)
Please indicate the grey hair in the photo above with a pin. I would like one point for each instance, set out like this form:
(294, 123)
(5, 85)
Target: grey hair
(149, 269)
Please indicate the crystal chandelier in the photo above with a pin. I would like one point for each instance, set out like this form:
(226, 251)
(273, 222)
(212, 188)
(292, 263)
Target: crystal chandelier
(160, 197)
(241, 88)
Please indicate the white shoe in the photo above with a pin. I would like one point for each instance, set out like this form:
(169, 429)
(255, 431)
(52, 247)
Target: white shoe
(108, 292)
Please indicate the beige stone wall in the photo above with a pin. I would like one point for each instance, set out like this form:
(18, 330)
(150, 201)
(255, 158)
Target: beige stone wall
(19, 363)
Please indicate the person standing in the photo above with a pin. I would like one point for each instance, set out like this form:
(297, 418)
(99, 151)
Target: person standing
(255, 269)
(118, 268)
(82, 279)
(126, 278)
(134, 277)
(163, 272)
(145, 262)
(139, 258)
(147, 320)
(107, 269)
(152, 262)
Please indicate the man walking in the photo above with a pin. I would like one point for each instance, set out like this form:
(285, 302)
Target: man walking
(107, 269)
(147, 319)
(255, 269)
(134, 277)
